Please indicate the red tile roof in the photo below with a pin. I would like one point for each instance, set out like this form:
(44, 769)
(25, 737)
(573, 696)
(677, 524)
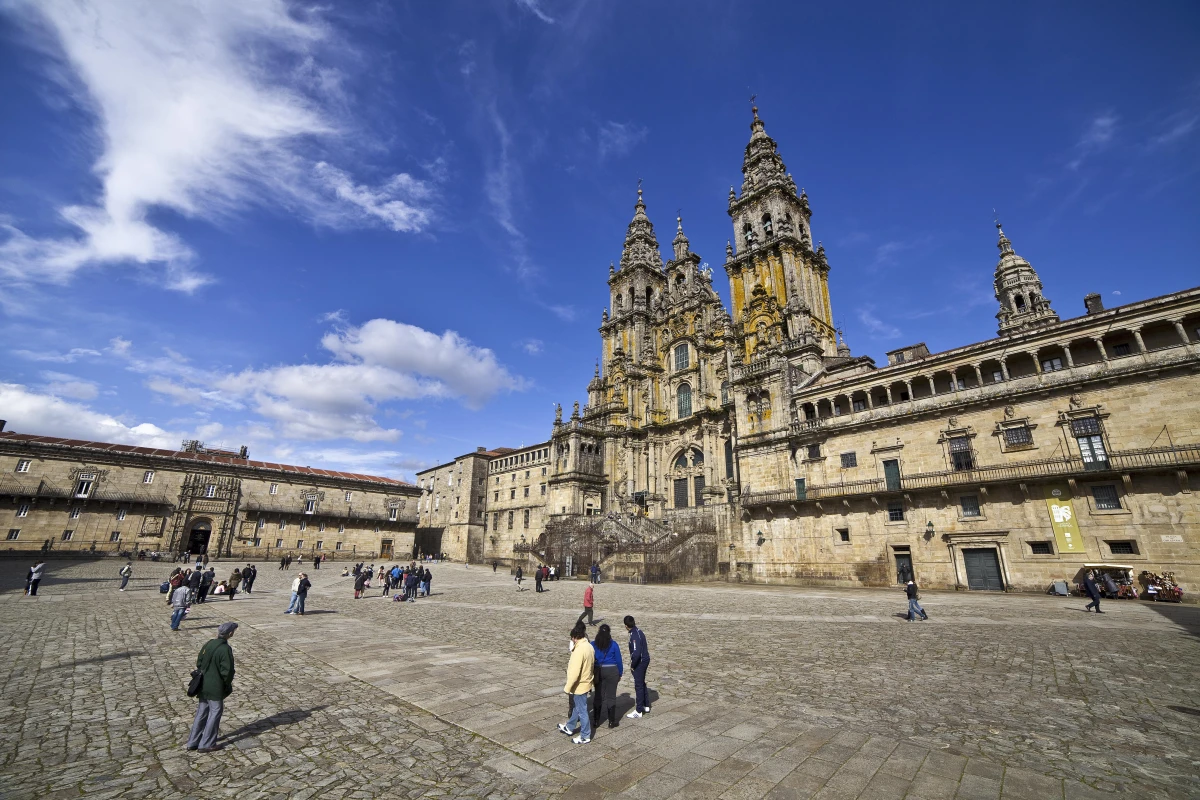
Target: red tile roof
(204, 457)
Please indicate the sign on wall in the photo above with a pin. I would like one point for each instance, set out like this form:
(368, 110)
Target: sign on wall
(1062, 519)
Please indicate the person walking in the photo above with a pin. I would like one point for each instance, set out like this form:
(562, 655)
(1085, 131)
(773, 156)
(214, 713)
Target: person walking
(248, 576)
(914, 607)
(206, 582)
(589, 601)
(1093, 591)
(580, 678)
(126, 573)
(316, 562)
(34, 578)
(300, 593)
(609, 670)
(215, 663)
(494, 565)
(428, 582)
(193, 585)
(235, 580)
(291, 609)
(179, 602)
(360, 584)
(282, 562)
(537, 579)
(639, 662)
(520, 574)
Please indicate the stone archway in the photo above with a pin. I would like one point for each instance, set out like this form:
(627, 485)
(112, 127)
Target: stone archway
(199, 535)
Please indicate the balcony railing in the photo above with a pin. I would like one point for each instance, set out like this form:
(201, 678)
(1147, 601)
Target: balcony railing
(1152, 458)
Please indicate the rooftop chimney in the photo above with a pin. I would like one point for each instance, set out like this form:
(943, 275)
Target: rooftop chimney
(477, 449)
(1094, 303)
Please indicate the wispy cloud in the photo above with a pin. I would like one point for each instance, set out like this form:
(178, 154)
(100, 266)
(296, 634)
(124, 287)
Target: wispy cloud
(535, 7)
(618, 138)
(1096, 138)
(1177, 127)
(202, 107)
(337, 317)
(69, 357)
(533, 347)
(65, 385)
(876, 328)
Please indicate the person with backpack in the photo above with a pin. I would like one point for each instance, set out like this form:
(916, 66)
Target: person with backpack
(193, 584)
(216, 667)
(914, 607)
(231, 586)
(126, 573)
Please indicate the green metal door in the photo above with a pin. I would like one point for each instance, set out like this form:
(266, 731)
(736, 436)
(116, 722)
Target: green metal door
(891, 475)
(983, 570)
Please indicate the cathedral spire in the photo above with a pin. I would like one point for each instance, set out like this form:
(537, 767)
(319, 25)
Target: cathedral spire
(762, 166)
(641, 246)
(681, 241)
(1019, 290)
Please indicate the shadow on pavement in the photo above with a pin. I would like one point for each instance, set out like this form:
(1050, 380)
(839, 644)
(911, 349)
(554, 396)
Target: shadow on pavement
(1186, 617)
(261, 726)
(101, 659)
(310, 612)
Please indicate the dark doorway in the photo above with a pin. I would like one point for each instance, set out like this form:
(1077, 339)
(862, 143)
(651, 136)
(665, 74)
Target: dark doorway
(681, 493)
(891, 475)
(428, 541)
(983, 570)
(904, 568)
(198, 539)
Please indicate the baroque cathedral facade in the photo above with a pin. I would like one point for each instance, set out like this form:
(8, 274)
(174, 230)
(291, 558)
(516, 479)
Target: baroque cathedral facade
(1004, 464)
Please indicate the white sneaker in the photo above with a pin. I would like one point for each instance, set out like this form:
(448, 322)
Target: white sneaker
(564, 729)
(635, 714)
(647, 711)
(581, 740)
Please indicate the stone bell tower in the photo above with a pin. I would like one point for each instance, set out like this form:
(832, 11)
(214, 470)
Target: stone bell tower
(1019, 290)
(778, 282)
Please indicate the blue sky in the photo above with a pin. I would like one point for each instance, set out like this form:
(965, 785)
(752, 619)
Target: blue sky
(376, 235)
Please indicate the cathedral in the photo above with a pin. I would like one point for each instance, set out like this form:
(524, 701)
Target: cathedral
(1000, 465)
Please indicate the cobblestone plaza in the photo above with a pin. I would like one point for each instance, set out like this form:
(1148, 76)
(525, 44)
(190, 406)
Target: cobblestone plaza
(761, 692)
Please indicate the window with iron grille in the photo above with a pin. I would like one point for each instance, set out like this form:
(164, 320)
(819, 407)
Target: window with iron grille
(970, 505)
(698, 486)
(148, 476)
(1121, 349)
(121, 515)
(960, 453)
(849, 460)
(1085, 426)
(684, 401)
(23, 465)
(814, 451)
(682, 357)
(896, 511)
(13, 533)
(1041, 549)
(1018, 436)
(68, 536)
(1106, 497)
(1122, 548)
(210, 490)
(23, 510)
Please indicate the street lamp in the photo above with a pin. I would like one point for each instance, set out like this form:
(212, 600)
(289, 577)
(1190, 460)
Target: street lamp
(929, 529)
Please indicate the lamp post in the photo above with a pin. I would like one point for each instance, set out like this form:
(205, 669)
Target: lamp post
(928, 530)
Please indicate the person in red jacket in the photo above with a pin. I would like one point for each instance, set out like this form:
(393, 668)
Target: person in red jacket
(589, 601)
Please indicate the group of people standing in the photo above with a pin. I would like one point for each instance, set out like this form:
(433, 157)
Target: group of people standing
(595, 668)
(285, 562)
(410, 581)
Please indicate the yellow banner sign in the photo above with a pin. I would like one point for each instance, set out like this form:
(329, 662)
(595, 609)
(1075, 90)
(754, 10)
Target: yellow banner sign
(1062, 519)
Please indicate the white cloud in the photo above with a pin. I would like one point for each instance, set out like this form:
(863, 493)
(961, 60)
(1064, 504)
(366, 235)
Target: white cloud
(1098, 136)
(69, 357)
(618, 138)
(202, 108)
(1178, 127)
(534, 6)
(337, 317)
(60, 383)
(533, 347)
(876, 328)
(31, 412)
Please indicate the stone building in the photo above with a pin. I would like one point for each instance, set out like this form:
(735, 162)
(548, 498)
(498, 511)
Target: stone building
(66, 494)
(450, 510)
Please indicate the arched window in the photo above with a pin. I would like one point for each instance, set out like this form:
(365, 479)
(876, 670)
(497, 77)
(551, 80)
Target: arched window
(683, 401)
(681, 462)
(1019, 302)
(649, 296)
(724, 392)
(748, 234)
(682, 356)
(768, 228)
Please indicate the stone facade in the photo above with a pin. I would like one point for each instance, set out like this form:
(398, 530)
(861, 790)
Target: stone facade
(451, 508)
(63, 494)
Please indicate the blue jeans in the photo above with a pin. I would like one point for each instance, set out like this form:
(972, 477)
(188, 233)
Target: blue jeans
(301, 599)
(177, 617)
(579, 715)
(914, 608)
(640, 699)
(124, 581)
(292, 605)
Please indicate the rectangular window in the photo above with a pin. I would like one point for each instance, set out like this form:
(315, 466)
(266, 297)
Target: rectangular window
(121, 515)
(512, 494)
(681, 493)
(858, 405)
(262, 523)
(299, 544)
(13, 533)
(23, 510)
(698, 487)
(495, 495)
(310, 505)
(115, 536)
(1091, 448)
(1052, 365)
(525, 522)
(148, 476)
(210, 490)
(279, 542)
(801, 489)
(321, 527)
(303, 525)
(682, 357)
(527, 491)
(970, 505)
(1121, 349)
(83, 486)
(896, 511)
(843, 534)
(1106, 497)
(526, 474)
(283, 524)
(68, 536)
(341, 528)
(274, 488)
(849, 460)
(997, 376)
(1041, 549)
(320, 545)
(338, 546)
(349, 496)
(510, 520)
(258, 541)
(74, 513)
(814, 451)
(23, 465)
(392, 512)
(1122, 548)
(960, 453)
(496, 521)
(543, 472)
(1019, 436)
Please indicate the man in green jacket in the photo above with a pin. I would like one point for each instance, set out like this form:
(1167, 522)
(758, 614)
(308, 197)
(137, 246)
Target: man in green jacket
(215, 662)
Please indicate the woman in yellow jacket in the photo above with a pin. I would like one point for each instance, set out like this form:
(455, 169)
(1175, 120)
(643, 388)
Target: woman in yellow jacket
(579, 682)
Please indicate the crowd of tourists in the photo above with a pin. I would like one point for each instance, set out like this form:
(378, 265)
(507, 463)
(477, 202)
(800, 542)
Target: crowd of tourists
(594, 669)
(408, 581)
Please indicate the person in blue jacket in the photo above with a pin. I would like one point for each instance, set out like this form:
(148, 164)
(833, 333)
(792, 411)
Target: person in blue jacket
(608, 672)
(639, 662)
